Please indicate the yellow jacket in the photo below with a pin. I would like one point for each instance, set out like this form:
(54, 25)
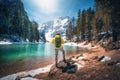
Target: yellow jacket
(53, 41)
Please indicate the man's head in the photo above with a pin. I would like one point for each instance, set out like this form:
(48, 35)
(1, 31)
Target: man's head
(57, 33)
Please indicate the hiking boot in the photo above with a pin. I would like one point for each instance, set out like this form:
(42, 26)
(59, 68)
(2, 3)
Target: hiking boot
(65, 60)
(57, 66)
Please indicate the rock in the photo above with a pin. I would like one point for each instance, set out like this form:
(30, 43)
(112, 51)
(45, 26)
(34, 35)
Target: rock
(63, 67)
(22, 75)
(40, 70)
(112, 45)
(71, 69)
(111, 63)
(100, 58)
(53, 71)
(118, 64)
(74, 59)
(106, 58)
(62, 64)
(78, 66)
(29, 78)
(81, 57)
(95, 58)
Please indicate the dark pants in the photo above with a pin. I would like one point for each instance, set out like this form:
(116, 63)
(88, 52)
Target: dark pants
(56, 55)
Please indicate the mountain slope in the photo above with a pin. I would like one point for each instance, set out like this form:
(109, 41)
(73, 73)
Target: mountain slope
(15, 25)
(50, 28)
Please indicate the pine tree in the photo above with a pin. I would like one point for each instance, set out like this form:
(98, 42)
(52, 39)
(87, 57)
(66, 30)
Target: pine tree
(78, 25)
(82, 28)
(74, 26)
(69, 32)
(108, 12)
(89, 18)
(35, 33)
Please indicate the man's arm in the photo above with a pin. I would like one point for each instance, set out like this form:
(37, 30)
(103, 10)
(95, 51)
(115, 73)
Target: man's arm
(62, 41)
(53, 41)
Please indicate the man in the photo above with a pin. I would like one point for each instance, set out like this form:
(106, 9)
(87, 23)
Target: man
(58, 41)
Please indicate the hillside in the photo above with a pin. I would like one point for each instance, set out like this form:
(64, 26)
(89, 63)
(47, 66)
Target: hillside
(15, 25)
(49, 29)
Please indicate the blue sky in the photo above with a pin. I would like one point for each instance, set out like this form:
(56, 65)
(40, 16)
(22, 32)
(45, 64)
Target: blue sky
(45, 10)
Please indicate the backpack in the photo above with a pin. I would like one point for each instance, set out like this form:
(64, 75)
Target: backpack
(57, 42)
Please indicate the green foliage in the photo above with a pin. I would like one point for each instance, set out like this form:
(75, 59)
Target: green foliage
(99, 25)
(84, 25)
(108, 11)
(104, 18)
(69, 32)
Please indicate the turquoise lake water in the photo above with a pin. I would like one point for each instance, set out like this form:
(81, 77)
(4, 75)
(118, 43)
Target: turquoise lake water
(20, 57)
(26, 51)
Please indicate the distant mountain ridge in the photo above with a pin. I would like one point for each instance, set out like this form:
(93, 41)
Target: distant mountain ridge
(48, 29)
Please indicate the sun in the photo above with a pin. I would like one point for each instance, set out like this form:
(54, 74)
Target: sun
(48, 5)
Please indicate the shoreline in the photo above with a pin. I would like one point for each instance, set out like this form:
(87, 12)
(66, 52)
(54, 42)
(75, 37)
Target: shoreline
(7, 43)
(44, 70)
(32, 72)
(37, 65)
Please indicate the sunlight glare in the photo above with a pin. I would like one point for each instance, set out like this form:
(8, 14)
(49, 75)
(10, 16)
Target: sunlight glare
(49, 6)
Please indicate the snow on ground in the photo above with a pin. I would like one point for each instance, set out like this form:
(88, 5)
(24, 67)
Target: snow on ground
(29, 78)
(32, 73)
(106, 58)
(82, 45)
(40, 70)
(78, 44)
(71, 44)
(84, 48)
(3, 42)
(79, 66)
(6, 42)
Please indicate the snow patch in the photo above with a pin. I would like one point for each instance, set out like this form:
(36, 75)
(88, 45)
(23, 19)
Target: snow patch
(11, 77)
(50, 28)
(41, 70)
(81, 57)
(29, 78)
(3, 42)
(71, 44)
(106, 58)
(63, 22)
(32, 73)
(79, 66)
(118, 64)
(74, 59)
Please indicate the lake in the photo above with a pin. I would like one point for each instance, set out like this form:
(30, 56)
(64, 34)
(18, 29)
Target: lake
(20, 57)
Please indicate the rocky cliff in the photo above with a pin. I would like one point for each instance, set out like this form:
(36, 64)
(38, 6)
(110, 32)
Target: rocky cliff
(14, 22)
